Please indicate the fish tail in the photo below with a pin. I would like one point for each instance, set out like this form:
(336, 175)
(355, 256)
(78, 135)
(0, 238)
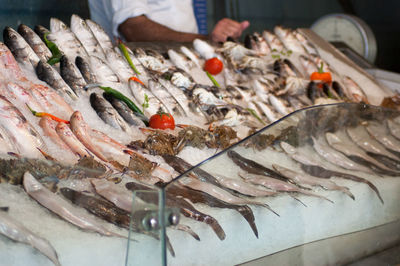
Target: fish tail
(316, 195)
(302, 203)
(269, 208)
(362, 180)
(217, 229)
(347, 192)
(188, 230)
(248, 215)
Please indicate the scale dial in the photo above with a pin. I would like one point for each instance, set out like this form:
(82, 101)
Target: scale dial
(350, 30)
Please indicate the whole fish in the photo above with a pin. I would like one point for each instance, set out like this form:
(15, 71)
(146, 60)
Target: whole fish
(61, 207)
(310, 48)
(165, 97)
(124, 111)
(312, 167)
(196, 196)
(49, 75)
(185, 208)
(107, 113)
(49, 129)
(288, 39)
(354, 153)
(86, 37)
(71, 75)
(361, 137)
(381, 134)
(24, 135)
(276, 185)
(9, 64)
(68, 137)
(336, 157)
(38, 46)
(204, 49)
(85, 70)
(305, 179)
(103, 72)
(82, 132)
(66, 40)
(219, 193)
(354, 91)
(107, 211)
(273, 41)
(19, 47)
(16, 231)
(394, 128)
(243, 187)
(102, 37)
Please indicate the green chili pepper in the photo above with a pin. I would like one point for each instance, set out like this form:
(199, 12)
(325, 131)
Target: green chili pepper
(124, 51)
(129, 103)
(56, 53)
(254, 113)
(213, 79)
(145, 104)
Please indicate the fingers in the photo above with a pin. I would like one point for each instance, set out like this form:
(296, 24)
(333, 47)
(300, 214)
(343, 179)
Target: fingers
(228, 28)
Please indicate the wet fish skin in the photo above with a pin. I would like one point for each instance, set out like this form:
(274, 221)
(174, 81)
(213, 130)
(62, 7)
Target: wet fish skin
(101, 36)
(41, 31)
(38, 46)
(49, 129)
(68, 137)
(48, 74)
(124, 111)
(71, 75)
(106, 112)
(16, 231)
(85, 70)
(19, 47)
(61, 207)
(184, 206)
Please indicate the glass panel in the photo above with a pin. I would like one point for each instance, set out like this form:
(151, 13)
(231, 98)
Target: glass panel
(297, 181)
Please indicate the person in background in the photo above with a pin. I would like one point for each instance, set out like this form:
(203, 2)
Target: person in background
(161, 20)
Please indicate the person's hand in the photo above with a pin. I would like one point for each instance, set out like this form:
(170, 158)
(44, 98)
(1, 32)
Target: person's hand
(228, 28)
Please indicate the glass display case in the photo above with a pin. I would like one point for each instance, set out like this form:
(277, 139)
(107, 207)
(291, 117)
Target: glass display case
(327, 194)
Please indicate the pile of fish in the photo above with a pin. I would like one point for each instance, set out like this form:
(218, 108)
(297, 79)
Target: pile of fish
(60, 100)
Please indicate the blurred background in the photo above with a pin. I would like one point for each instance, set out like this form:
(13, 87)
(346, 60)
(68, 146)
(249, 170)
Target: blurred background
(383, 17)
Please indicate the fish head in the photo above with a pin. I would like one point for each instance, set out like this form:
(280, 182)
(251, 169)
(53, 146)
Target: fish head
(289, 149)
(57, 25)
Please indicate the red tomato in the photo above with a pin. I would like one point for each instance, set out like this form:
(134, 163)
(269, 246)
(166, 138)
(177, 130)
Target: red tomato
(213, 66)
(162, 121)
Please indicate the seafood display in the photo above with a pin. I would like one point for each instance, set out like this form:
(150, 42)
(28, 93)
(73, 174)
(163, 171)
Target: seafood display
(77, 135)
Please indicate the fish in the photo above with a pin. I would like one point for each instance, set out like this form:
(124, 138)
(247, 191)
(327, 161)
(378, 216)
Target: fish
(71, 75)
(48, 74)
(273, 41)
(185, 208)
(19, 47)
(313, 167)
(16, 231)
(61, 207)
(381, 134)
(354, 91)
(103, 72)
(355, 153)
(310, 48)
(85, 70)
(81, 131)
(35, 42)
(66, 40)
(6, 142)
(189, 53)
(49, 129)
(308, 65)
(219, 193)
(9, 64)
(124, 111)
(335, 157)
(394, 128)
(68, 137)
(165, 97)
(278, 105)
(24, 136)
(204, 49)
(41, 31)
(361, 137)
(106, 112)
(243, 187)
(18, 94)
(102, 37)
(178, 95)
(289, 40)
(302, 178)
(86, 37)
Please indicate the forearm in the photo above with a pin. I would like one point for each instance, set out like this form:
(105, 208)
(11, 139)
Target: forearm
(143, 29)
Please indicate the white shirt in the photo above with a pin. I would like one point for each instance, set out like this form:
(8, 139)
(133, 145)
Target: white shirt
(175, 14)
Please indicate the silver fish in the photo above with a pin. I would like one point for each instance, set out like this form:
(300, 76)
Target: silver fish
(71, 75)
(394, 128)
(24, 135)
(143, 95)
(41, 31)
(16, 231)
(289, 40)
(165, 97)
(361, 137)
(273, 41)
(276, 185)
(310, 48)
(106, 112)
(62, 207)
(124, 111)
(302, 178)
(102, 37)
(354, 91)
(19, 47)
(85, 70)
(86, 37)
(38, 46)
(381, 134)
(49, 75)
